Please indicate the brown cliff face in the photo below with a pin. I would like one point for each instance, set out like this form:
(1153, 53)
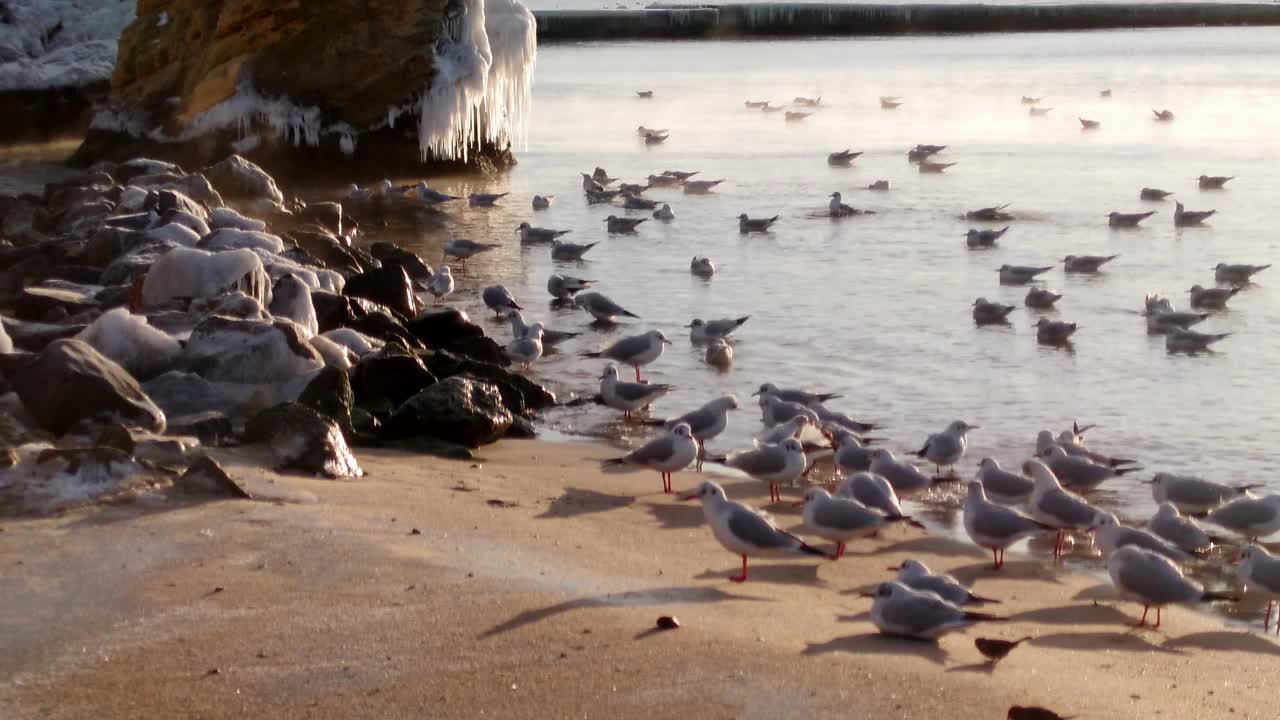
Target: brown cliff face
(351, 60)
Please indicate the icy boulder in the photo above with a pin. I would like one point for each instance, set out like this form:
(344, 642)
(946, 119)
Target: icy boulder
(190, 273)
(223, 349)
(127, 339)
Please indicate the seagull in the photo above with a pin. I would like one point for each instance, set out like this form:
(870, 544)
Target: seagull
(920, 152)
(719, 354)
(1031, 100)
(627, 396)
(873, 491)
(1259, 570)
(843, 158)
(1154, 580)
(984, 238)
(1213, 298)
(1153, 194)
(792, 428)
(1193, 495)
(1214, 182)
(986, 312)
(774, 411)
(465, 249)
(807, 102)
(890, 103)
(1127, 220)
(756, 104)
(1041, 298)
(530, 234)
(645, 94)
(704, 331)
(485, 199)
(427, 196)
(989, 214)
(634, 189)
(1186, 218)
(1111, 536)
(1086, 124)
(1080, 473)
(749, 225)
(527, 349)
(1190, 341)
(550, 338)
(569, 252)
(664, 213)
(850, 456)
(1106, 94)
(681, 175)
(564, 287)
(917, 576)
(1020, 274)
(1056, 507)
(655, 138)
(1032, 712)
(905, 478)
(499, 299)
(1039, 111)
(1070, 444)
(792, 395)
(598, 197)
(623, 225)
(707, 422)
(667, 453)
(700, 187)
(1085, 263)
(602, 177)
(1251, 517)
(1006, 488)
(542, 202)
(838, 209)
(948, 446)
(841, 519)
(934, 168)
(1163, 115)
(1236, 274)
(1181, 531)
(589, 184)
(702, 267)
(441, 284)
(899, 611)
(643, 131)
(1163, 319)
(743, 530)
(601, 307)
(635, 350)
(826, 415)
(771, 464)
(794, 116)
(1054, 332)
(879, 186)
(996, 527)
(664, 181)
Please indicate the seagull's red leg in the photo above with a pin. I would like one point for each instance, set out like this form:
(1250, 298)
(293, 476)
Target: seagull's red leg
(1143, 621)
(995, 559)
(637, 373)
(839, 551)
(743, 576)
(1157, 617)
(1266, 621)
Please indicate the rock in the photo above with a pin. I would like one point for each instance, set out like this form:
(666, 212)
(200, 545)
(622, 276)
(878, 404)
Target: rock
(6, 342)
(384, 380)
(238, 178)
(467, 412)
(225, 217)
(191, 222)
(414, 266)
(130, 341)
(206, 477)
(522, 428)
(424, 445)
(14, 432)
(70, 381)
(388, 286)
(35, 336)
(442, 327)
(169, 200)
(36, 302)
(300, 438)
(223, 349)
(187, 395)
(328, 251)
(327, 215)
(519, 393)
(232, 239)
(115, 435)
(191, 273)
(291, 299)
(46, 114)
(330, 395)
(365, 316)
(212, 427)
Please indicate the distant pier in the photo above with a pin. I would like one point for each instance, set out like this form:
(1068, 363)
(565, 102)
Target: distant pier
(801, 19)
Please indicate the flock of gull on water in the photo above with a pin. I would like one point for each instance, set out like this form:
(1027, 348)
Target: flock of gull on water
(1046, 495)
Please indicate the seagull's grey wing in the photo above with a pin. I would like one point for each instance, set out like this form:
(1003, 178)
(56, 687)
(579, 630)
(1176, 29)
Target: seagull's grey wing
(1267, 574)
(762, 461)
(998, 521)
(1198, 493)
(627, 348)
(1007, 483)
(1068, 509)
(656, 450)
(1154, 578)
(755, 530)
(844, 516)
(602, 304)
(919, 613)
(944, 587)
(631, 392)
(695, 419)
(1243, 514)
(1181, 532)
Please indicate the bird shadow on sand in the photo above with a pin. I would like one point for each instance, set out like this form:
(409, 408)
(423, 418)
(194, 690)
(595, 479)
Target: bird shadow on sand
(1093, 641)
(1225, 640)
(576, 501)
(1012, 570)
(677, 517)
(1102, 592)
(1074, 615)
(693, 594)
(784, 574)
(877, 644)
(981, 668)
(927, 545)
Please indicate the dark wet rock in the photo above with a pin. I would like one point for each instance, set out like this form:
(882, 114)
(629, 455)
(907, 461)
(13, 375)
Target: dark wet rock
(35, 336)
(107, 243)
(82, 221)
(195, 186)
(69, 381)
(338, 311)
(36, 302)
(519, 393)
(482, 349)
(211, 428)
(425, 445)
(238, 178)
(327, 250)
(388, 286)
(522, 428)
(61, 198)
(21, 216)
(467, 412)
(185, 394)
(165, 451)
(327, 215)
(223, 349)
(127, 268)
(169, 200)
(364, 423)
(14, 432)
(441, 327)
(300, 438)
(384, 380)
(330, 395)
(76, 273)
(115, 435)
(414, 266)
(206, 478)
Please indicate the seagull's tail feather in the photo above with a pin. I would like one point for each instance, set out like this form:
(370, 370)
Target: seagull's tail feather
(1122, 471)
(739, 322)
(824, 397)
(592, 354)
(562, 232)
(921, 452)
(1116, 462)
(717, 459)
(628, 313)
(984, 617)
(1219, 597)
(1242, 489)
(614, 461)
(908, 520)
(983, 601)
(808, 549)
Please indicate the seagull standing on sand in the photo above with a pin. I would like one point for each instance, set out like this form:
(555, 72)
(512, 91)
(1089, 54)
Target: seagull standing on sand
(1181, 531)
(1111, 535)
(1055, 506)
(1193, 495)
(707, 422)
(851, 455)
(873, 491)
(1006, 488)
(1249, 517)
(499, 299)
(899, 611)
(743, 530)
(441, 284)
(1259, 570)
(917, 576)
(841, 519)
(701, 331)
(1155, 581)
(948, 446)
(996, 527)
(601, 307)
(771, 464)
(636, 350)
(749, 225)
(1076, 472)
(626, 396)
(666, 454)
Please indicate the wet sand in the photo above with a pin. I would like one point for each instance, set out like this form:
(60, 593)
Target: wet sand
(529, 590)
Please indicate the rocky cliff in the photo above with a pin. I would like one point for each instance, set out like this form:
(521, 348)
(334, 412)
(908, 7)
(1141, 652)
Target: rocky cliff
(300, 84)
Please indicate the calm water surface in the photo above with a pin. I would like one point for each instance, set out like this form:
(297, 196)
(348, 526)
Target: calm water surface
(878, 307)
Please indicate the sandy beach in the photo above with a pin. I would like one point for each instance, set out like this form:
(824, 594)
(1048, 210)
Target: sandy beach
(527, 584)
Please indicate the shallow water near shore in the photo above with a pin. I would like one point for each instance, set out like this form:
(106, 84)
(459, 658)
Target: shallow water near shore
(878, 307)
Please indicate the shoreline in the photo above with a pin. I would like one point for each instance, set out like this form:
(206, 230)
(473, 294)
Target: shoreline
(530, 590)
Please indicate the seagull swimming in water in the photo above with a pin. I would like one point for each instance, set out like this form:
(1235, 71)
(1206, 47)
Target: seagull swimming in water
(844, 158)
(1127, 220)
(1183, 217)
(749, 225)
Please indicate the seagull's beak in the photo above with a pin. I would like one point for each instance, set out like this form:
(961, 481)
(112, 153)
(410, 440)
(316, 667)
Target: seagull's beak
(798, 504)
(755, 393)
(974, 427)
(688, 326)
(1147, 482)
(687, 496)
(894, 567)
(866, 595)
(666, 341)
